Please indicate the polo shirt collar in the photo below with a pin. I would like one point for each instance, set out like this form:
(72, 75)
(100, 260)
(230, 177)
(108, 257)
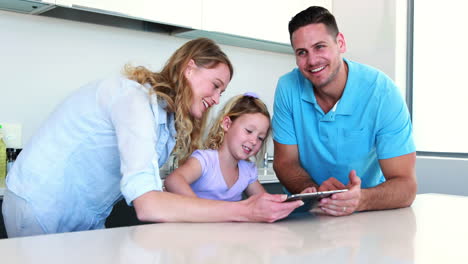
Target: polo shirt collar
(350, 95)
(307, 93)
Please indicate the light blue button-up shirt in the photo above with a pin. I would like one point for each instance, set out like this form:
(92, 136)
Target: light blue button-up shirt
(105, 141)
(370, 122)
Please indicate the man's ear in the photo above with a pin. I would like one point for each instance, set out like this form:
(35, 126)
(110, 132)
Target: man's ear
(341, 42)
(226, 123)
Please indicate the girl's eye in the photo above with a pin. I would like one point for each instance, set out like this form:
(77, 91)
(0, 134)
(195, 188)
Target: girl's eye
(261, 138)
(248, 130)
(320, 46)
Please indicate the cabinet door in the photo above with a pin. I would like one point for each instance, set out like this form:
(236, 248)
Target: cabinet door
(185, 13)
(259, 19)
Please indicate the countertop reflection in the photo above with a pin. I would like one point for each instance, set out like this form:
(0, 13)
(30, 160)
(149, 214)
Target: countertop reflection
(432, 230)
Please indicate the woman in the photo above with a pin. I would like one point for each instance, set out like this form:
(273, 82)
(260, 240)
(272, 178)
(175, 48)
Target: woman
(107, 141)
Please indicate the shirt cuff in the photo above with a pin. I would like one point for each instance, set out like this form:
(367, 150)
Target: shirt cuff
(133, 186)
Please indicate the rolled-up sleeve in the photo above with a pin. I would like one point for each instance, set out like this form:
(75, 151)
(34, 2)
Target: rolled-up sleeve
(134, 123)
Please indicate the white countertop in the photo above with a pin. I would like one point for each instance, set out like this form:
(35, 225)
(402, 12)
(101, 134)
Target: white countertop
(433, 230)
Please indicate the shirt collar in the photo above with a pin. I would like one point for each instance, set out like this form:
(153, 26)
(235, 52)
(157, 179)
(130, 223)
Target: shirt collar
(166, 117)
(347, 100)
(349, 97)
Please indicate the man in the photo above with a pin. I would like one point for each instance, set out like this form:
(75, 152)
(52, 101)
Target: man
(340, 124)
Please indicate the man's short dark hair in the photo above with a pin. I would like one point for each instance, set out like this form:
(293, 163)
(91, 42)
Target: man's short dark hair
(313, 15)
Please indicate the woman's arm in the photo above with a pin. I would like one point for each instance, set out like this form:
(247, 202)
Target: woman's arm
(180, 179)
(156, 206)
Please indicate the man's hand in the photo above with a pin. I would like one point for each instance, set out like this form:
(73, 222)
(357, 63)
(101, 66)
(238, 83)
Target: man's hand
(332, 184)
(344, 203)
(309, 190)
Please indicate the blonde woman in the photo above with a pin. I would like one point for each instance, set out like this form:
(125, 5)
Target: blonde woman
(223, 171)
(107, 141)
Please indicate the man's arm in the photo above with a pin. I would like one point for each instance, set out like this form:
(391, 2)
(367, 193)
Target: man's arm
(394, 136)
(399, 189)
(288, 169)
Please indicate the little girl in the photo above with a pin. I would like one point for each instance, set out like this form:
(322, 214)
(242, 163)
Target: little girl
(223, 171)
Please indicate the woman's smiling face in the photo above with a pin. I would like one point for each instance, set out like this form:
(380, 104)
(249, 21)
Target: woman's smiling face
(207, 85)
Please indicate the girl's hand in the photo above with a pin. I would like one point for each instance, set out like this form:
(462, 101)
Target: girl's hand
(269, 207)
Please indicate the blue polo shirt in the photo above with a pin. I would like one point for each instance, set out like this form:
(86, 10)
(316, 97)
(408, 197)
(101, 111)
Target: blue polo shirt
(370, 122)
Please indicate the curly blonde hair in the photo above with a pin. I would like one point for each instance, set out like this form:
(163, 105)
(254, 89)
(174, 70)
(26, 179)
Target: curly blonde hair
(171, 86)
(235, 107)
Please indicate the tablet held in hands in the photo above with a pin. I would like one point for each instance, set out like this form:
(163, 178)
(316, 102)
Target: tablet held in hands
(312, 196)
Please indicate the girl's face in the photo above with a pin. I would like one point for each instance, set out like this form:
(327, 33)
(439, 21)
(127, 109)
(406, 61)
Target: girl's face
(207, 86)
(245, 135)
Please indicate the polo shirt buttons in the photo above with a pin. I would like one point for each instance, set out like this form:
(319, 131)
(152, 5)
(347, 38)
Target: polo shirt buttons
(328, 118)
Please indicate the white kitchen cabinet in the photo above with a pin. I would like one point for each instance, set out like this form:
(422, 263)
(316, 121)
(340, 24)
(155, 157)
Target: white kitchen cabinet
(184, 13)
(258, 19)
(256, 24)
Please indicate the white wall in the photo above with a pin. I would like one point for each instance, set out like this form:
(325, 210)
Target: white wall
(369, 30)
(44, 59)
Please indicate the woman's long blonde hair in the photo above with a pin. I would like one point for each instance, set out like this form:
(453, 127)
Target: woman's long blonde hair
(235, 107)
(171, 86)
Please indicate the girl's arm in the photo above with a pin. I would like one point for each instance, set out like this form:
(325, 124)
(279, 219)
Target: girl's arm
(180, 179)
(254, 188)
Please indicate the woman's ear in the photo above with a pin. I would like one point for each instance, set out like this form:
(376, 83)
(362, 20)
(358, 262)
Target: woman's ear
(226, 123)
(189, 68)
